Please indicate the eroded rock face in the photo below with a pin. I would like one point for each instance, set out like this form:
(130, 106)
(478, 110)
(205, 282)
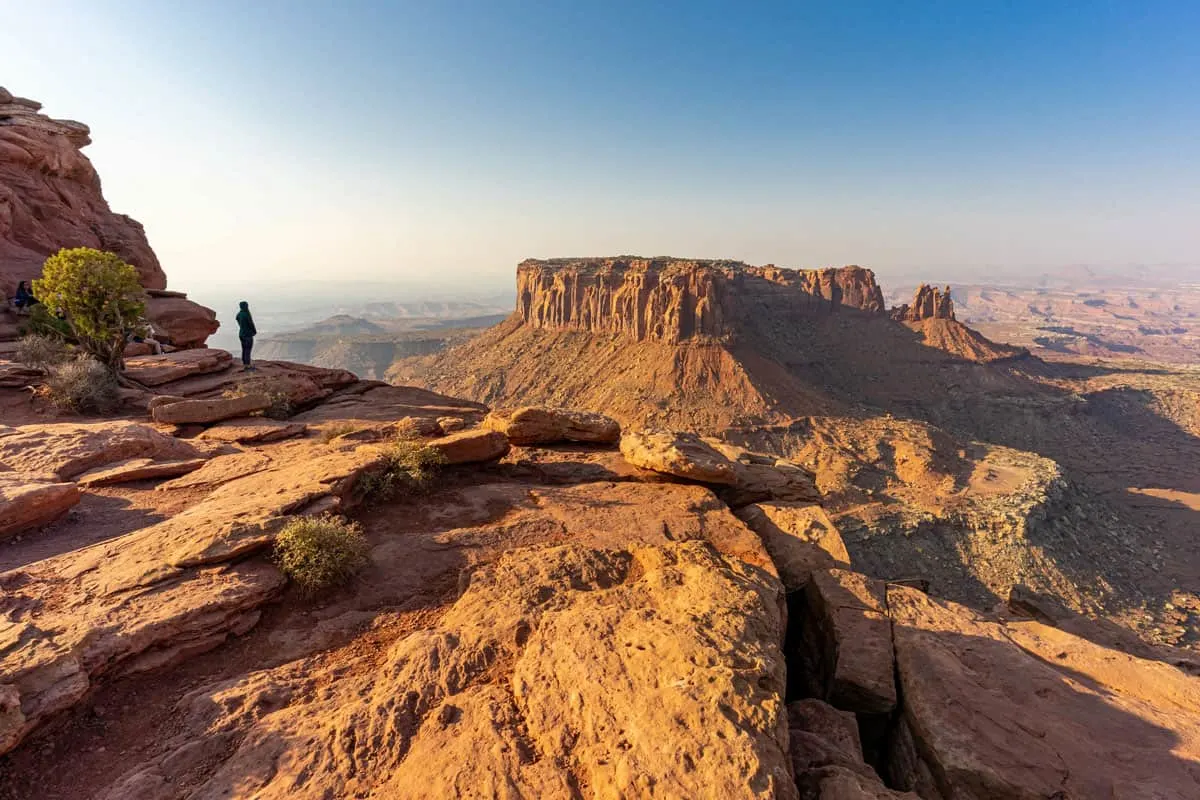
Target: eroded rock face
(1021, 709)
(597, 643)
(158, 595)
(50, 198)
(673, 300)
(929, 303)
(849, 640)
(800, 538)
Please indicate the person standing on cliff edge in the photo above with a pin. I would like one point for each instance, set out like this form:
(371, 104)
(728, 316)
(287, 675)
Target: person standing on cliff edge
(246, 332)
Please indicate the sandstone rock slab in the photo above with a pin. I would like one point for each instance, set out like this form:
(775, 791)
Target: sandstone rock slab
(68, 449)
(169, 367)
(27, 501)
(159, 594)
(252, 430)
(1021, 709)
(471, 446)
(220, 470)
(684, 455)
(848, 637)
(604, 644)
(214, 410)
(748, 477)
(185, 323)
(800, 538)
(542, 425)
(139, 469)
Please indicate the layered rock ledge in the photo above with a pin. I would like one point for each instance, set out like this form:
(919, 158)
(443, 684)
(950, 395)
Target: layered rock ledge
(673, 300)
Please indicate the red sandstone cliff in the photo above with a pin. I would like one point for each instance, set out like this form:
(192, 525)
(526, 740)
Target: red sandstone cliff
(50, 198)
(671, 300)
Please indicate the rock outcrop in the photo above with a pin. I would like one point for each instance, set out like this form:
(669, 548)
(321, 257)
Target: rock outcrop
(929, 303)
(741, 476)
(674, 300)
(68, 449)
(50, 198)
(535, 425)
(27, 501)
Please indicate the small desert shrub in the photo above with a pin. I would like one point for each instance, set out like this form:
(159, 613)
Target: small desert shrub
(376, 487)
(81, 384)
(336, 430)
(409, 466)
(281, 401)
(42, 351)
(414, 462)
(320, 553)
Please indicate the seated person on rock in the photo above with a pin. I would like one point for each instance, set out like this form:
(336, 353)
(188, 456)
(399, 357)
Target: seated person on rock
(24, 299)
(144, 334)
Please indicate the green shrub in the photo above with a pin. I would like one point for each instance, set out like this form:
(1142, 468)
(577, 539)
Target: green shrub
(376, 487)
(41, 322)
(41, 351)
(409, 466)
(81, 384)
(414, 462)
(320, 553)
(99, 296)
(336, 430)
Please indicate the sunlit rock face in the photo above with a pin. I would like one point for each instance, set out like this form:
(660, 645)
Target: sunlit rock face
(672, 300)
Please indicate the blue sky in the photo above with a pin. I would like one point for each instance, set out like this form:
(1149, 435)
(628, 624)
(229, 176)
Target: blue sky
(442, 141)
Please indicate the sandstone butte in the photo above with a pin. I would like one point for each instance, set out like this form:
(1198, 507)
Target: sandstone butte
(50, 198)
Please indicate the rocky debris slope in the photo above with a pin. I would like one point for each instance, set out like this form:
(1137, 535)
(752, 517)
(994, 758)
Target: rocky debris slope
(672, 300)
(50, 198)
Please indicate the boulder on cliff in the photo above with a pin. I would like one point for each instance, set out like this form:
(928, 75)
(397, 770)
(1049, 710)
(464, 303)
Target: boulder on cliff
(1021, 709)
(538, 425)
(743, 477)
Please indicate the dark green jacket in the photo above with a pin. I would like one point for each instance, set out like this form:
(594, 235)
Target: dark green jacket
(245, 323)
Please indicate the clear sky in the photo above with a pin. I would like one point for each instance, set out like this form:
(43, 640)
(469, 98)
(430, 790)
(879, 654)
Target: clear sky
(443, 140)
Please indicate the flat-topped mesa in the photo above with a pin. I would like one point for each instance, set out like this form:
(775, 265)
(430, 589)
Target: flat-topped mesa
(50, 198)
(928, 303)
(673, 300)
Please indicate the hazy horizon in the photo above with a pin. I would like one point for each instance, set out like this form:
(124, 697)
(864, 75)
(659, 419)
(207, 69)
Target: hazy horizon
(434, 146)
